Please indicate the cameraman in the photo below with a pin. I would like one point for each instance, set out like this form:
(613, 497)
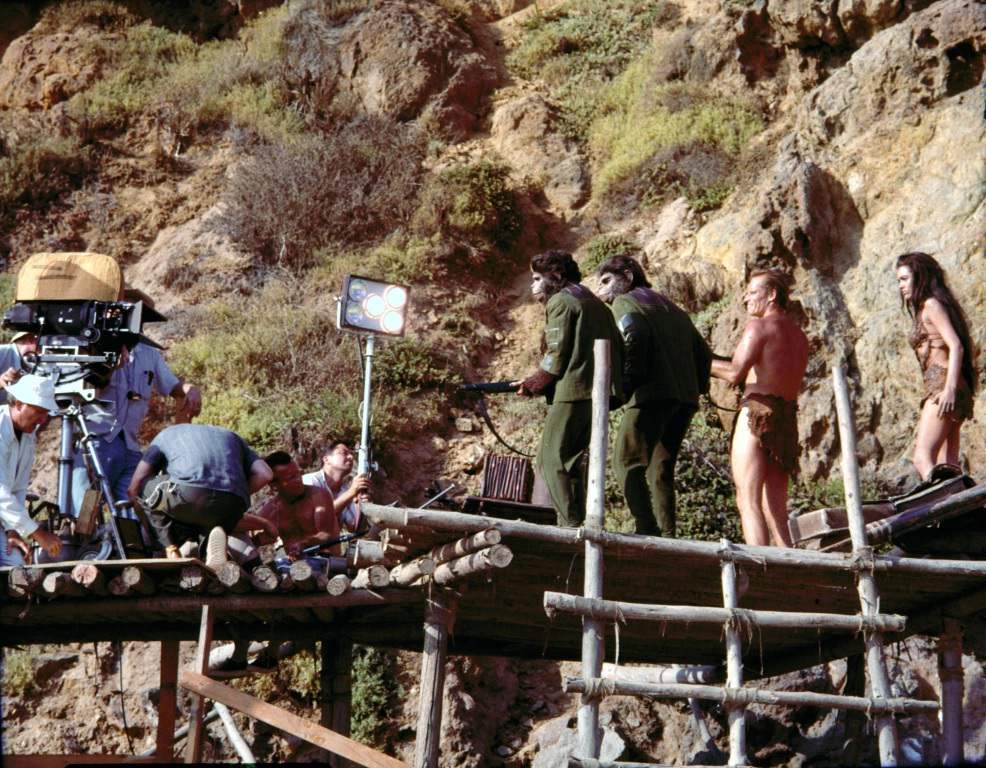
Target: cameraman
(31, 399)
(141, 373)
(12, 356)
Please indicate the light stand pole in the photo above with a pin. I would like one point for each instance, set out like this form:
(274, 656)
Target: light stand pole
(363, 457)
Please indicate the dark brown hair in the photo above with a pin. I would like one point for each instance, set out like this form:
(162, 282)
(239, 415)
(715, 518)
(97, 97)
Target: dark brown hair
(927, 282)
(780, 281)
(559, 262)
(625, 264)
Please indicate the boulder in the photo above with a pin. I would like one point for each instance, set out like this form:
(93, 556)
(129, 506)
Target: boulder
(806, 23)
(861, 18)
(399, 59)
(526, 131)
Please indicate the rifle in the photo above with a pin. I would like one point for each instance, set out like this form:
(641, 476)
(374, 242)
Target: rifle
(491, 387)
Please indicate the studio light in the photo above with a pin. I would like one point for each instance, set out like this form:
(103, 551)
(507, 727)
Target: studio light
(372, 307)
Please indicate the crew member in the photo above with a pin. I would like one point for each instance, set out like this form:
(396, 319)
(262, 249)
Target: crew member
(574, 320)
(665, 369)
(197, 479)
(334, 478)
(12, 356)
(142, 373)
(32, 398)
(770, 363)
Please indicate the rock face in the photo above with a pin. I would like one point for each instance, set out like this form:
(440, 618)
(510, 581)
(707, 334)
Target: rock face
(526, 131)
(436, 72)
(886, 156)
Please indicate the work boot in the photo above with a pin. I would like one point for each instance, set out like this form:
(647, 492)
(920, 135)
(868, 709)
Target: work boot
(215, 549)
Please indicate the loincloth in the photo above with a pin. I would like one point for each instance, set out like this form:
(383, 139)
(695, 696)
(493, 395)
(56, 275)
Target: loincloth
(934, 384)
(774, 422)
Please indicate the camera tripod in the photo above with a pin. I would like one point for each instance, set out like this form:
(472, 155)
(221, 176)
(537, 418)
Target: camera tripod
(74, 423)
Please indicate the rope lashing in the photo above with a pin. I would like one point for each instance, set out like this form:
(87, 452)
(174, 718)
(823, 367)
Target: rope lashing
(597, 687)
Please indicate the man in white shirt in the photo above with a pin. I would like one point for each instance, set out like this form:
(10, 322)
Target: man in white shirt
(12, 356)
(32, 398)
(337, 466)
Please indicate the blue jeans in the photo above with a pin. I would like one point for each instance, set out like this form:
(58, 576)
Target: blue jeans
(119, 464)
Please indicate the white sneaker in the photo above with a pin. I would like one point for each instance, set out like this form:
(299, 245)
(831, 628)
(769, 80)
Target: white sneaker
(215, 549)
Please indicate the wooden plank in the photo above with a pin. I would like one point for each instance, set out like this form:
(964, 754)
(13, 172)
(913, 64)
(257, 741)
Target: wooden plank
(167, 705)
(154, 563)
(60, 761)
(438, 622)
(288, 722)
(193, 748)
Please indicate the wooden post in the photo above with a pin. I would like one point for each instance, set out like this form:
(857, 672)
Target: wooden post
(734, 665)
(869, 596)
(167, 703)
(439, 618)
(952, 692)
(193, 749)
(336, 683)
(593, 630)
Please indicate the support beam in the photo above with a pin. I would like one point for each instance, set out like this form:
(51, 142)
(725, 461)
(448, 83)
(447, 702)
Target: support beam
(193, 749)
(288, 722)
(612, 610)
(594, 630)
(439, 618)
(336, 688)
(167, 703)
(952, 692)
(869, 595)
(734, 666)
(605, 687)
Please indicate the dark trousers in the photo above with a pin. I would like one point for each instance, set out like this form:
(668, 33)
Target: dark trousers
(647, 446)
(176, 510)
(567, 429)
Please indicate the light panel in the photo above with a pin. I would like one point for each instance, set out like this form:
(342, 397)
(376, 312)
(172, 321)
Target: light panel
(372, 306)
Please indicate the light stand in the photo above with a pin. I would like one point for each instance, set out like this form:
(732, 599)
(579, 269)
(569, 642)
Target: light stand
(363, 456)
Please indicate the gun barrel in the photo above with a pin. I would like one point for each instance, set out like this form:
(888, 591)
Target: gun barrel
(490, 386)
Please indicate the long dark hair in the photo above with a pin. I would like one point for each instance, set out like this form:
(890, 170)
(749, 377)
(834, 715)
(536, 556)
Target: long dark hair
(618, 264)
(928, 281)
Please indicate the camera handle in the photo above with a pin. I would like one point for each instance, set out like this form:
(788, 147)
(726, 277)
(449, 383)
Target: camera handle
(74, 419)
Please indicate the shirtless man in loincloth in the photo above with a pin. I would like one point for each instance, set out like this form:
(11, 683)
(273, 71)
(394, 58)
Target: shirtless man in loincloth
(770, 363)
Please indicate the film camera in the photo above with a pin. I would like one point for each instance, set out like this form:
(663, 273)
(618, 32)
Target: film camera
(70, 301)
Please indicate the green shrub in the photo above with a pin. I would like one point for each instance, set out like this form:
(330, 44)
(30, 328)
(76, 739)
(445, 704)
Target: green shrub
(103, 14)
(472, 201)
(662, 139)
(577, 47)
(399, 259)
(375, 695)
(409, 365)
(18, 671)
(353, 186)
(36, 169)
(603, 248)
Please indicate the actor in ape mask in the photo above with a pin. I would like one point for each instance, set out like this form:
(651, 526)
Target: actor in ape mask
(574, 319)
(665, 368)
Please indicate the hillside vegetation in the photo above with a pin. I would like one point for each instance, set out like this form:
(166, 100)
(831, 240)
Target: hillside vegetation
(240, 159)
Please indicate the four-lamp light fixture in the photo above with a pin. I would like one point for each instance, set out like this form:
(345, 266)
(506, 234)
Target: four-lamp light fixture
(372, 307)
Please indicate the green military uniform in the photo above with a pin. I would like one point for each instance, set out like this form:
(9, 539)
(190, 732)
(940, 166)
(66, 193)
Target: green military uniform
(666, 368)
(574, 319)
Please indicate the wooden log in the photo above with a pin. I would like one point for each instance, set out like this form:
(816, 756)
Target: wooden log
(303, 575)
(194, 579)
(264, 579)
(594, 631)
(284, 581)
(439, 618)
(957, 504)
(60, 584)
(468, 545)
(701, 674)
(372, 577)
(24, 581)
(364, 552)
(167, 705)
(952, 692)
(338, 584)
(89, 578)
(196, 728)
(138, 580)
(484, 561)
(734, 665)
(396, 552)
(752, 696)
(612, 610)
(407, 573)
(869, 595)
(288, 722)
(233, 577)
(267, 553)
(233, 734)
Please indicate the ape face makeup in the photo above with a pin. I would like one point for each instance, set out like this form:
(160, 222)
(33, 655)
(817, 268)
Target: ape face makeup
(613, 284)
(544, 285)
